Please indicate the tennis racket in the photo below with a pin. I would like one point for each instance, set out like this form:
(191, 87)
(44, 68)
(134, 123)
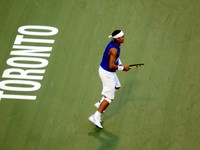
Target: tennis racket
(136, 65)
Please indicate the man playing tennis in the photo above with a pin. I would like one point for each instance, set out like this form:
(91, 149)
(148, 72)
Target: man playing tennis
(107, 71)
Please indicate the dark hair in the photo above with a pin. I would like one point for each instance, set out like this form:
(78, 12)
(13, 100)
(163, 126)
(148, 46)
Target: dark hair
(115, 33)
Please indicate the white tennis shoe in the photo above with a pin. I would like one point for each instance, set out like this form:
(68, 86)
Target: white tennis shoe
(96, 121)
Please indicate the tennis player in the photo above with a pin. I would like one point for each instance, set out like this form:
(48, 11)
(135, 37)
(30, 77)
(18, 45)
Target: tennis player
(107, 71)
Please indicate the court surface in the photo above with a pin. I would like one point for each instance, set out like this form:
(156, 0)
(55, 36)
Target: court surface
(157, 107)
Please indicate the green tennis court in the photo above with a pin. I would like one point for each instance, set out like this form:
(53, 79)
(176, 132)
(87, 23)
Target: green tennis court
(50, 52)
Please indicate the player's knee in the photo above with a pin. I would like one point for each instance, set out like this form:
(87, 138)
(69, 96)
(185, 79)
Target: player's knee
(108, 100)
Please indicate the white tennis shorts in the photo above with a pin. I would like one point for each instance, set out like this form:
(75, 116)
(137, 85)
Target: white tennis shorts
(109, 82)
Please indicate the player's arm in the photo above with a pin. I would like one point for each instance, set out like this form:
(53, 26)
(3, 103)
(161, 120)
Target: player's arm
(113, 54)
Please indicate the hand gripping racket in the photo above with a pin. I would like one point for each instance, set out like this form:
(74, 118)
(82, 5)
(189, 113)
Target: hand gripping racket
(136, 65)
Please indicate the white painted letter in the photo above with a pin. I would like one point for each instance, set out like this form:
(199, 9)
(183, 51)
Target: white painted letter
(48, 30)
(12, 96)
(13, 62)
(32, 85)
(22, 74)
(20, 38)
(38, 51)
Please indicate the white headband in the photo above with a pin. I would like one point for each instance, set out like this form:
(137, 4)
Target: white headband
(120, 34)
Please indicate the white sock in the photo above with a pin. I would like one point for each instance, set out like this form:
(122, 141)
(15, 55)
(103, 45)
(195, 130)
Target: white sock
(97, 114)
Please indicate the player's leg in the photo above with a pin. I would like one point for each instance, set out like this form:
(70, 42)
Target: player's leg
(109, 91)
(108, 82)
(104, 104)
(117, 83)
(117, 87)
(97, 104)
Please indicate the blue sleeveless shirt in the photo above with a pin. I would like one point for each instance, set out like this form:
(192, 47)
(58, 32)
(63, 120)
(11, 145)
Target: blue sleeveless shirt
(105, 59)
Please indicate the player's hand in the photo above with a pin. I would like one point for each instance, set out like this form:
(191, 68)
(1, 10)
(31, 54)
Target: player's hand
(126, 68)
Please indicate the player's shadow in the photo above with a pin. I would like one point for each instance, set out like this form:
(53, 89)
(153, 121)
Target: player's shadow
(107, 139)
(125, 94)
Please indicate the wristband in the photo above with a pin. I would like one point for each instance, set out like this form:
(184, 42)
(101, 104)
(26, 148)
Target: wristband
(121, 68)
